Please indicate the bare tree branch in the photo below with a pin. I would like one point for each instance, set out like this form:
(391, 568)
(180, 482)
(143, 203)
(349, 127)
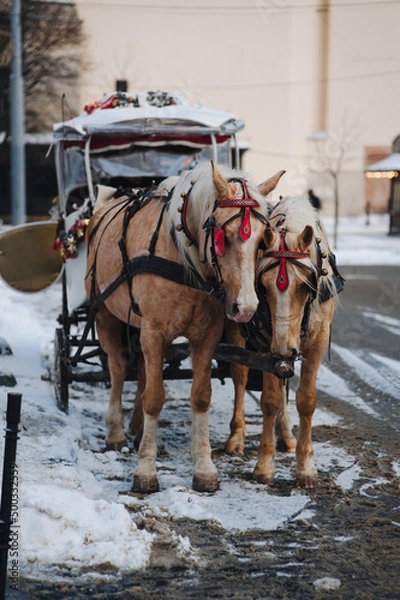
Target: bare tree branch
(52, 38)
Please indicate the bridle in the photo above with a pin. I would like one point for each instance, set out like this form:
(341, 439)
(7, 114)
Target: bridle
(296, 257)
(215, 236)
(258, 332)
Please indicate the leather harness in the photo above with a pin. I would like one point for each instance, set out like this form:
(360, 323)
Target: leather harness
(258, 331)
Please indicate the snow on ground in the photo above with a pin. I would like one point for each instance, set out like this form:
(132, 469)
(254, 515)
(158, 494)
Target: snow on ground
(76, 516)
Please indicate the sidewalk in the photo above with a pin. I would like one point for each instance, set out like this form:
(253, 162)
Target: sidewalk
(364, 244)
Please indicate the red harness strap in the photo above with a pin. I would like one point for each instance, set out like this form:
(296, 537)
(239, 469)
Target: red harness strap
(183, 218)
(246, 203)
(282, 279)
(219, 235)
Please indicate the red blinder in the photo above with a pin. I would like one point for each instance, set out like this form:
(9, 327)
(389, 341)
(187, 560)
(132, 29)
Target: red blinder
(219, 242)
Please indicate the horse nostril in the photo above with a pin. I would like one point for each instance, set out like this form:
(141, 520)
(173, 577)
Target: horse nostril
(235, 309)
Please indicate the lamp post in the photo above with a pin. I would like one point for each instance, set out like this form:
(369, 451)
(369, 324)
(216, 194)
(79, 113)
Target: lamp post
(17, 117)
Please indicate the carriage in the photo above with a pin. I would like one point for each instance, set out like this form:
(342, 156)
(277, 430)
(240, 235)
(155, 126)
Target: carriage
(128, 143)
(273, 269)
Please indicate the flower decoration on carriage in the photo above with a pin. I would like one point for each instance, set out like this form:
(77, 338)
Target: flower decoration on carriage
(123, 100)
(67, 243)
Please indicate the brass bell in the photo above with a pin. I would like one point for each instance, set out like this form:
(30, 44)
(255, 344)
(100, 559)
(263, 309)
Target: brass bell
(180, 209)
(188, 243)
(324, 254)
(324, 271)
(183, 194)
(193, 182)
(318, 240)
(179, 227)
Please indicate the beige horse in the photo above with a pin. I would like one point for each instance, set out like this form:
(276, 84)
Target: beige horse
(297, 276)
(212, 223)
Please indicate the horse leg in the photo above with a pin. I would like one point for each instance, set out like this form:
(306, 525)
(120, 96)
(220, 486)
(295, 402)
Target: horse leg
(136, 424)
(239, 374)
(109, 330)
(306, 400)
(270, 400)
(153, 346)
(285, 440)
(306, 473)
(204, 470)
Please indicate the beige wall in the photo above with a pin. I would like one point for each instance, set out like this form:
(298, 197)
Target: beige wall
(261, 60)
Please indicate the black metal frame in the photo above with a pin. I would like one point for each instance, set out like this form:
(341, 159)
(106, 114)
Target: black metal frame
(8, 483)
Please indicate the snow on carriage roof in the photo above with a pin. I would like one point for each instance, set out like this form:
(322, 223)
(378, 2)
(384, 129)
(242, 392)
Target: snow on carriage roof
(119, 108)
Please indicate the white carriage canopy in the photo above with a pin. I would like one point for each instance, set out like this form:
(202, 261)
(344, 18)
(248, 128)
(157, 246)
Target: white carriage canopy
(132, 140)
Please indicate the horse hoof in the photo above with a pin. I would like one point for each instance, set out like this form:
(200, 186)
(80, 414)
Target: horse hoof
(145, 485)
(307, 482)
(286, 445)
(234, 448)
(116, 446)
(264, 479)
(205, 484)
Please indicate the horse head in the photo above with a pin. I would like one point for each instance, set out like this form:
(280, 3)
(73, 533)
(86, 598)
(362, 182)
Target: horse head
(292, 270)
(223, 219)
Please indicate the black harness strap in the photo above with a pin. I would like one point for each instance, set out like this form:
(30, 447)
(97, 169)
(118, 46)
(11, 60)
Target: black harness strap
(172, 271)
(141, 264)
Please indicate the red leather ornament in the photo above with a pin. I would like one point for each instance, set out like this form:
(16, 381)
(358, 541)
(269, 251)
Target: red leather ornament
(282, 280)
(219, 242)
(245, 228)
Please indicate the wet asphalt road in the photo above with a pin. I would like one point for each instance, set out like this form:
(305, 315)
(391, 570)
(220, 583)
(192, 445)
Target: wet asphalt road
(365, 323)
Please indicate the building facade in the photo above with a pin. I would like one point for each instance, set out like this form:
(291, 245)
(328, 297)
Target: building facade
(316, 81)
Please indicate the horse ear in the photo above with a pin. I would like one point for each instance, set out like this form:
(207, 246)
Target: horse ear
(305, 238)
(270, 184)
(269, 237)
(220, 183)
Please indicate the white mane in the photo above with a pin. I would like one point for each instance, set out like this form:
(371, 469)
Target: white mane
(294, 213)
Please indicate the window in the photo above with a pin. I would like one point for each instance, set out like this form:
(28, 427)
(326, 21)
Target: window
(121, 85)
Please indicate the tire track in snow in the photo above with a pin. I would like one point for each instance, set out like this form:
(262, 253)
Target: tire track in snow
(332, 384)
(378, 376)
(391, 324)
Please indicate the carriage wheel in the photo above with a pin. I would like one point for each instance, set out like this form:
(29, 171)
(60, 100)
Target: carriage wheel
(61, 374)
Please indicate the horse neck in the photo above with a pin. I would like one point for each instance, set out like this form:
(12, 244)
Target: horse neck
(199, 206)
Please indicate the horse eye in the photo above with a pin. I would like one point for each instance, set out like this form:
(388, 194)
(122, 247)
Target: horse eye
(262, 246)
(306, 287)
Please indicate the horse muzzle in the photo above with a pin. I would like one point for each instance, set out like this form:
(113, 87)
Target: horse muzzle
(241, 313)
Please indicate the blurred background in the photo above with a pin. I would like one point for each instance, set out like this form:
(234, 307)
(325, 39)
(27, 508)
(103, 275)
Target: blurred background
(317, 83)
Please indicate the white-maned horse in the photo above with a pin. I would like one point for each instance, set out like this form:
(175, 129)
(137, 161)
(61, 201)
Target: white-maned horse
(206, 232)
(299, 283)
